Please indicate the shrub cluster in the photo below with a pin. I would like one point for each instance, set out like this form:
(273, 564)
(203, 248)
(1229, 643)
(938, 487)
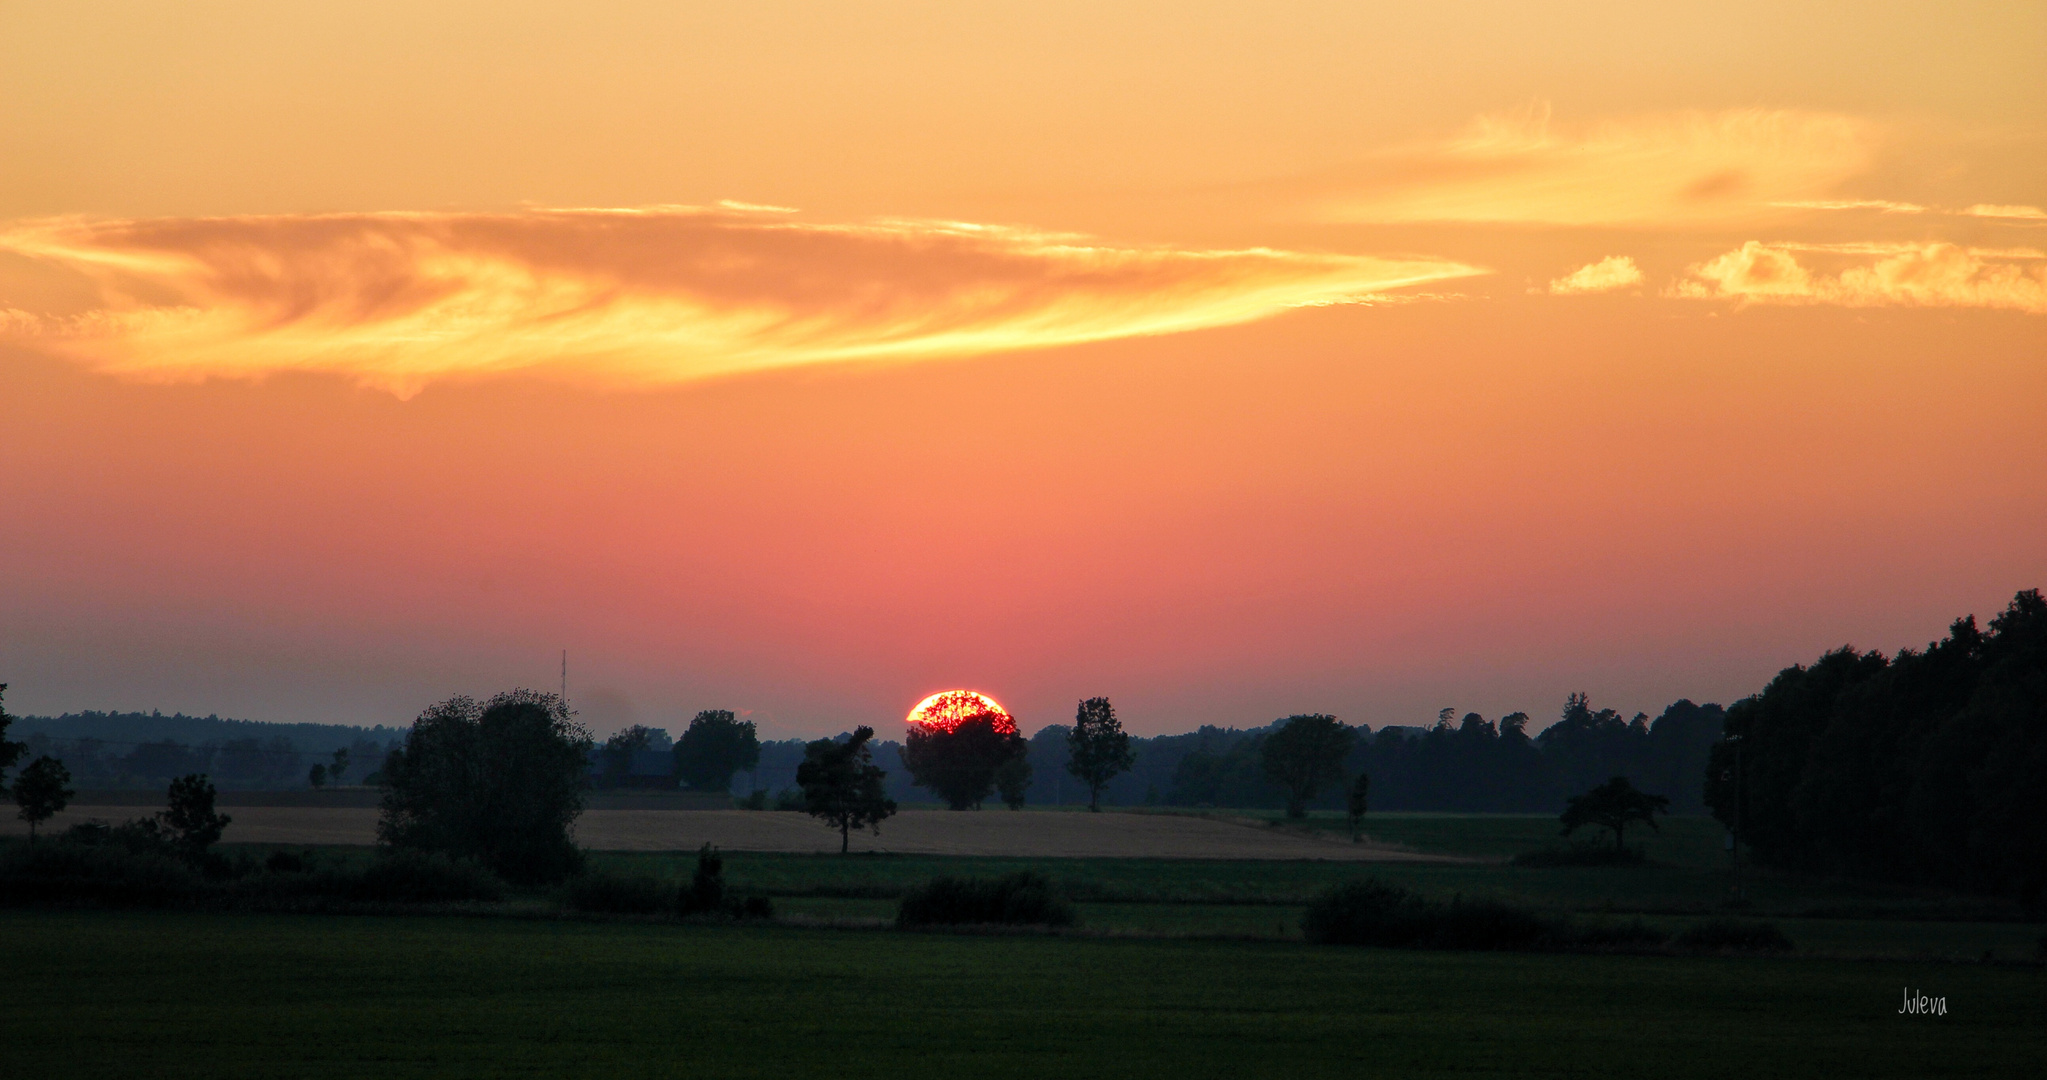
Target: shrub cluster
(1733, 935)
(1375, 913)
(414, 877)
(1583, 855)
(618, 894)
(1025, 898)
(96, 874)
(599, 891)
(112, 868)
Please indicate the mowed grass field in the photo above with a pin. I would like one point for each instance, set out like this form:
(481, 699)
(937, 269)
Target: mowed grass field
(1685, 881)
(194, 995)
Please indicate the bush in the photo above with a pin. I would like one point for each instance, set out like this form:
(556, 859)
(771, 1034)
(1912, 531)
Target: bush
(756, 801)
(705, 894)
(1733, 935)
(88, 833)
(405, 876)
(1024, 898)
(115, 875)
(1634, 934)
(109, 875)
(1583, 855)
(1375, 913)
(789, 799)
(619, 894)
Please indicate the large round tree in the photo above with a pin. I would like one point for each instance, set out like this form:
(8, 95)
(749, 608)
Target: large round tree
(501, 782)
(960, 746)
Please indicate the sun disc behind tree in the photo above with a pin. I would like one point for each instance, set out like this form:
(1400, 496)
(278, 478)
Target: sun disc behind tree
(945, 711)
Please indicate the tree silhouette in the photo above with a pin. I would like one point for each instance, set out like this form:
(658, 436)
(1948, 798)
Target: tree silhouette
(501, 782)
(959, 764)
(1013, 780)
(189, 818)
(1355, 806)
(1922, 767)
(1613, 805)
(618, 753)
(1098, 748)
(715, 746)
(1304, 754)
(10, 752)
(40, 793)
(842, 786)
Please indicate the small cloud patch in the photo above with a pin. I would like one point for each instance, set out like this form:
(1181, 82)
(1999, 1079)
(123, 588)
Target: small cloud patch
(1606, 275)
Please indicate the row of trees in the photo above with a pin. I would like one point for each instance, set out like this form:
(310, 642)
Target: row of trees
(249, 762)
(1459, 764)
(981, 752)
(41, 790)
(1927, 767)
(714, 747)
(1470, 763)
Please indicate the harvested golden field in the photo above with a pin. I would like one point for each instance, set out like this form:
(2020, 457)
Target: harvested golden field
(912, 832)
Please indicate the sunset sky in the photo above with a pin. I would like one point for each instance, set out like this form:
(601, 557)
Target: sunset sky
(1231, 361)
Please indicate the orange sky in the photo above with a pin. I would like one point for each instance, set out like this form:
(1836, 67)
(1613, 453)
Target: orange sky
(807, 360)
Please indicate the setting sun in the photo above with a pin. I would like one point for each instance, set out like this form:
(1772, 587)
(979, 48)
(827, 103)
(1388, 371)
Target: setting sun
(944, 711)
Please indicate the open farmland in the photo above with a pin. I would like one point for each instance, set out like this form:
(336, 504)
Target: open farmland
(912, 832)
(189, 995)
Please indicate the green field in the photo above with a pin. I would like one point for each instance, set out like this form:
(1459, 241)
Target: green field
(1182, 967)
(191, 995)
(1686, 880)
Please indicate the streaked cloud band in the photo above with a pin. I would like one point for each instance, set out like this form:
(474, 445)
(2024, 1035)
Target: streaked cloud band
(633, 297)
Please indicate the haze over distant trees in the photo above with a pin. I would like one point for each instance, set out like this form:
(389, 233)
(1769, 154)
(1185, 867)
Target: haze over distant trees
(1456, 764)
(1468, 763)
(145, 751)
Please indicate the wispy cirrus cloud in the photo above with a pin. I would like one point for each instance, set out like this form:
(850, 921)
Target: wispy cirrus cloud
(633, 297)
(1606, 275)
(1882, 206)
(1658, 171)
(2009, 213)
(1873, 274)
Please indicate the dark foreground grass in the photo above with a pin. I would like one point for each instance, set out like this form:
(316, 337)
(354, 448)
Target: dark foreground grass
(177, 995)
(1654, 889)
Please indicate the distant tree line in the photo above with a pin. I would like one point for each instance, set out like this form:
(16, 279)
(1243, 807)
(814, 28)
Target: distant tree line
(236, 764)
(1926, 767)
(1466, 763)
(137, 751)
